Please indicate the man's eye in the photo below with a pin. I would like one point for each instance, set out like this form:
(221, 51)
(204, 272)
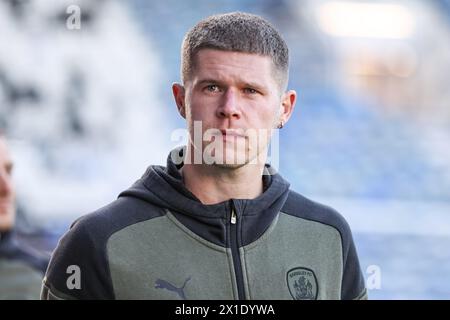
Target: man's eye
(9, 169)
(212, 88)
(250, 90)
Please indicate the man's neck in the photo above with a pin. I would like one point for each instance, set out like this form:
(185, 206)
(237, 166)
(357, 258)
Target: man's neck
(213, 184)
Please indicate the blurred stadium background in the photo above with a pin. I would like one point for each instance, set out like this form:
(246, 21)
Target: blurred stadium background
(88, 110)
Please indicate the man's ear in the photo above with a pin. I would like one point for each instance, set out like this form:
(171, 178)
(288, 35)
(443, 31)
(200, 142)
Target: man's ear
(179, 95)
(287, 106)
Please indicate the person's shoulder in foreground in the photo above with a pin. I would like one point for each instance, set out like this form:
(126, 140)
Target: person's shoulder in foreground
(21, 269)
(217, 222)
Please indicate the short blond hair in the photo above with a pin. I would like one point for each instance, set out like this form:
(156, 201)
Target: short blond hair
(236, 31)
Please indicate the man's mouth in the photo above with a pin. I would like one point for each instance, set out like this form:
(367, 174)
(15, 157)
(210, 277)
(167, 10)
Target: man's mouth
(232, 133)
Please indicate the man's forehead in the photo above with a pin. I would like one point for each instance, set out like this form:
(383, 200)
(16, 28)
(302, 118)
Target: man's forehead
(208, 56)
(219, 64)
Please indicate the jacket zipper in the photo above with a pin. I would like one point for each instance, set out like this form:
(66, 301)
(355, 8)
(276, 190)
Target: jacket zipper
(235, 253)
(233, 217)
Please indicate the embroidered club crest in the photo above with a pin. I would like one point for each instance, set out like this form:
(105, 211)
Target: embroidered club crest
(302, 284)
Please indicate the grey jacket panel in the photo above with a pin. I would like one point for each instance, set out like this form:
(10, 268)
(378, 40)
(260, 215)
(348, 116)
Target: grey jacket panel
(162, 259)
(269, 260)
(353, 285)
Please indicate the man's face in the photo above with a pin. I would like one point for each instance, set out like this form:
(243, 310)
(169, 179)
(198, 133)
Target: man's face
(7, 195)
(236, 93)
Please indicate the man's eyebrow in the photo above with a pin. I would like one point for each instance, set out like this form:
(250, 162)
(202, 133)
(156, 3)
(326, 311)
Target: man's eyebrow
(206, 81)
(243, 83)
(254, 85)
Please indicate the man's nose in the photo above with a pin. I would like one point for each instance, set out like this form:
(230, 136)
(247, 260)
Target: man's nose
(229, 107)
(5, 183)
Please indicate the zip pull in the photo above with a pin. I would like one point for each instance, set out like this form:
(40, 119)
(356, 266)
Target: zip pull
(233, 217)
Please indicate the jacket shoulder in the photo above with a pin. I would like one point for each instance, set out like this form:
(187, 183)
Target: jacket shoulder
(302, 207)
(115, 216)
(83, 249)
(352, 286)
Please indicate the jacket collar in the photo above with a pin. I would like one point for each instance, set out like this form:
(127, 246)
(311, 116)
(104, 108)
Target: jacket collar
(164, 187)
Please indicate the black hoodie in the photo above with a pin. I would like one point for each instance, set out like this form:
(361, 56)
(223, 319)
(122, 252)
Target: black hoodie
(158, 241)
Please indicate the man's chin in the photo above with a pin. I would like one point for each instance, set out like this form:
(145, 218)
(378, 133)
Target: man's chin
(229, 166)
(233, 162)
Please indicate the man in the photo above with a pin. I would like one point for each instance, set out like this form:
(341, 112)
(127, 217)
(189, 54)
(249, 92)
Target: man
(216, 223)
(21, 270)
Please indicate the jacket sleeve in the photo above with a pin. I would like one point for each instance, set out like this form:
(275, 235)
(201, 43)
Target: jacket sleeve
(79, 268)
(353, 284)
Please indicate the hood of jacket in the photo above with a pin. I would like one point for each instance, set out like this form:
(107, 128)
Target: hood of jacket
(164, 187)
